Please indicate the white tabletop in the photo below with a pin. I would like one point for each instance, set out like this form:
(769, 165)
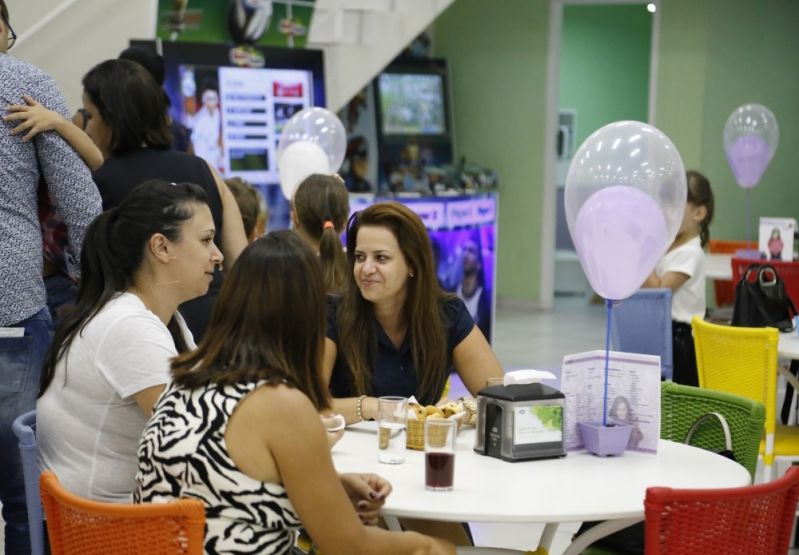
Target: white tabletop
(789, 345)
(718, 266)
(577, 487)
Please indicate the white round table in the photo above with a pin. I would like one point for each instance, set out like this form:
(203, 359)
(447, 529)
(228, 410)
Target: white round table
(574, 488)
(718, 266)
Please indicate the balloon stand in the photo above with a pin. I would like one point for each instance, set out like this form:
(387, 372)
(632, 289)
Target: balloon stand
(609, 305)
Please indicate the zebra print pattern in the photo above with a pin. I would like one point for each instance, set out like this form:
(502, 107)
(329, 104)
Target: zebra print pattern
(182, 453)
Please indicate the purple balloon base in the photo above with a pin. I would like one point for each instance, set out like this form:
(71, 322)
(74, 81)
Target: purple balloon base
(604, 441)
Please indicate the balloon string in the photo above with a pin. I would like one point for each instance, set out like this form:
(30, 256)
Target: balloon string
(609, 304)
(748, 207)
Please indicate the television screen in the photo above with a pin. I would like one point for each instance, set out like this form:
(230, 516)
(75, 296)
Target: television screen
(236, 102)
(412, 104)
(236, 114)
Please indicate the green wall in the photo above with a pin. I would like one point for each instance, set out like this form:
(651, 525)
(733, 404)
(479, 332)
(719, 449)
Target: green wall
(604, 64)
(497, 60)
(715, 56)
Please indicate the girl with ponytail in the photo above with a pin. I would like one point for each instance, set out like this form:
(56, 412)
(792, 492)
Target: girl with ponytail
(319, 212)
(110, 356)
(682, 269)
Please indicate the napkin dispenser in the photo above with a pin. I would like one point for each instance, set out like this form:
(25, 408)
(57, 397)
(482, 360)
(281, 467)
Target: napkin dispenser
(520, 421)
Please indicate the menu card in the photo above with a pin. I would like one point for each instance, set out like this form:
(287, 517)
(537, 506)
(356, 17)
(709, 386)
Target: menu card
(633, 395)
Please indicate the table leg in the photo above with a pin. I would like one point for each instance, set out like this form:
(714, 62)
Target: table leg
(547, 536)
(597, 532)
(392, 523)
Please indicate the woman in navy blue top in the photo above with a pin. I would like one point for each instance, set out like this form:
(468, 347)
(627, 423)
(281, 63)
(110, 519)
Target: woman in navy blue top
(394, 331)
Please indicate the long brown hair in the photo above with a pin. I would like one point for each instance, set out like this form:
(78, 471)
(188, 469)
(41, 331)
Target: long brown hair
(423, 303)
(267, 324)
(700, 194)
(320, 199)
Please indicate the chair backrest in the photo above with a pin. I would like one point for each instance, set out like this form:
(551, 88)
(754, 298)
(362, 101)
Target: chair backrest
(751, 519)
(24, 427)
(738, 360)
(641, 323)
(788, 272)
(725, 289)
(80, 526)
(682, 405)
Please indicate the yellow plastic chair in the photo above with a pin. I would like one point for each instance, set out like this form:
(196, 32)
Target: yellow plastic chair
(743, 361)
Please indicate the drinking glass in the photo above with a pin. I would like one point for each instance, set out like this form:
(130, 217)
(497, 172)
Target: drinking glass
(439, 453)
(392, 415)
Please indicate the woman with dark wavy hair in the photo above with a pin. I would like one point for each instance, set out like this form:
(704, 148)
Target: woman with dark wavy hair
(394, 331)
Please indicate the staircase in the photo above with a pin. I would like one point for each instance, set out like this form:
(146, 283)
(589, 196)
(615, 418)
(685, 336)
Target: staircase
(360, 37)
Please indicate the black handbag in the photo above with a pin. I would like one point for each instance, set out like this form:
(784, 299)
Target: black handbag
(762, 302)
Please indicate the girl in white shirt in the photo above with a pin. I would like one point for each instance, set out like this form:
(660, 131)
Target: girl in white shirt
(682, 269)
(110, 356)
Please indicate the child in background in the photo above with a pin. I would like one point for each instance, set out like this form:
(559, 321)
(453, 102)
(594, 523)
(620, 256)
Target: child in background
(60, 275)
(682, 269)
(251, 205)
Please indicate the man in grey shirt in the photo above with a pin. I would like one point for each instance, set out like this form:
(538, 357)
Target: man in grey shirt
(25, 325)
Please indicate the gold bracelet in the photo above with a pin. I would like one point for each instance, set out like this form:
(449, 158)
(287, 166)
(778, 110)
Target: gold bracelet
(359, 408)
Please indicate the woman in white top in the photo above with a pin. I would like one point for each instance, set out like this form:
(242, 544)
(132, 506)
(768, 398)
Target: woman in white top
(682, 269)
(110, 357)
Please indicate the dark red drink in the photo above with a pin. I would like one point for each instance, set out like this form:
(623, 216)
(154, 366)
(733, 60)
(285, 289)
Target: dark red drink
(439, 470)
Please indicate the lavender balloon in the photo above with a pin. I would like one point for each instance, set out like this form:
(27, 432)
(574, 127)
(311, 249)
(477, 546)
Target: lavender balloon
(751, 136)
(625, 200)
(620, 233)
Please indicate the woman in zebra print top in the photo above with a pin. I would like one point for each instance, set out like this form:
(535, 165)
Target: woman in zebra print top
(239, 427)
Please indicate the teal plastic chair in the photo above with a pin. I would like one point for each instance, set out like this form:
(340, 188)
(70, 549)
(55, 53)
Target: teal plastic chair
(24, 427)
(682, 405)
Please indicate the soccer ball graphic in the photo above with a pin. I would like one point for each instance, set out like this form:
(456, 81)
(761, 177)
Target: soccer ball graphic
(248, 19)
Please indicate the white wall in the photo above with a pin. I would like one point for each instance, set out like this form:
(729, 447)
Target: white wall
(85, 33)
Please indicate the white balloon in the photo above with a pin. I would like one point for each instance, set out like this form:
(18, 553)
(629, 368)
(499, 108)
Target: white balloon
(299, 160)
(319, 126)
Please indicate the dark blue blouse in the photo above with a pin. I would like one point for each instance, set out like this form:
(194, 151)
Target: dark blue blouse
(394, 372)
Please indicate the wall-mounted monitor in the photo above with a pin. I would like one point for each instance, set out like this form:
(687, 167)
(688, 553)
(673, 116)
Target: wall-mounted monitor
(237, 101)
(235, 112)
(412, 103)
(414, 130)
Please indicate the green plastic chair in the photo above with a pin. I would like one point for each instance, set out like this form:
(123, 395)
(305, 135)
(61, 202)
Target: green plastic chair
(682, 405)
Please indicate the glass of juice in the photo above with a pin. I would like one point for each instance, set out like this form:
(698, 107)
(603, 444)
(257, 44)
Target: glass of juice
(392, 416)
(439, 453)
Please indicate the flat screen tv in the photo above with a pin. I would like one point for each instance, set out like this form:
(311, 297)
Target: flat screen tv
(236, 113)
(412, 103)
(413, 122)
(236, 102)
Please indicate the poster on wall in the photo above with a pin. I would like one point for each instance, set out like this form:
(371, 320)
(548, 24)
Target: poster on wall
(259, 22)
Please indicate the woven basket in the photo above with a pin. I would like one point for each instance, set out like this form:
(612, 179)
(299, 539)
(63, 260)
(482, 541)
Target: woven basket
(415, 435)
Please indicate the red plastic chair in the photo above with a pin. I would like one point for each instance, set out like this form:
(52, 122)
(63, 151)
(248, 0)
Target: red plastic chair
(734, 521)
(725, 289)
(788, 272)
